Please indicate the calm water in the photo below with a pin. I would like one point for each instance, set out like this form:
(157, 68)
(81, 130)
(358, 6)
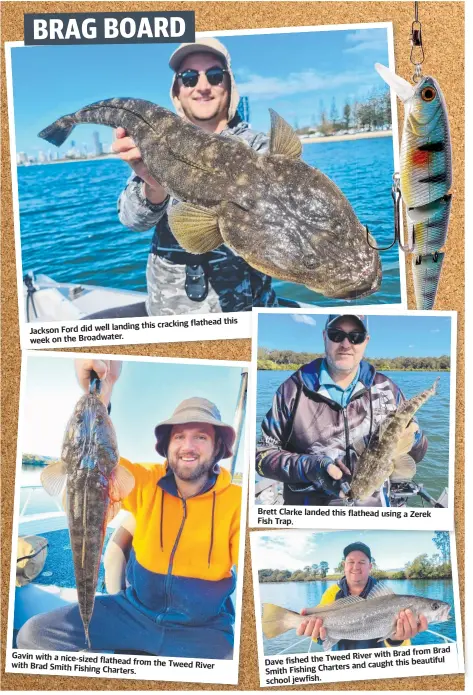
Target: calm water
(433, 418)
(70, 228)
(298, 595)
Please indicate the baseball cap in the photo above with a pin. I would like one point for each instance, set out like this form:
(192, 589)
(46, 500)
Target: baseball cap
(357, 546)
(333, 318)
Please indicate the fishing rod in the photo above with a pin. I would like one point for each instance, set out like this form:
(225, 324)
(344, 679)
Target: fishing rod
(239, 417)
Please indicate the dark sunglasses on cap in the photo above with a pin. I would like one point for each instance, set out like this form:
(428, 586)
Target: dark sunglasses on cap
(191, 77)
(338, 336)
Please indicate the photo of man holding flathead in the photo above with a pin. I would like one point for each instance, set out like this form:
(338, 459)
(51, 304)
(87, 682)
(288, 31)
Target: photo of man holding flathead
(357, 581)
(203, 92)
(181, 549)
(324, 416)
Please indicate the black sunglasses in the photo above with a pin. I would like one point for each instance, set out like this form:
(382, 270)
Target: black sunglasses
(338, 336)
(191, 77)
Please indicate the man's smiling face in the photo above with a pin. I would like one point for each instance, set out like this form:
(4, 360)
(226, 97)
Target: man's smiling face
(204, 102)
(191, 450)
(357, 569)
(344, 356)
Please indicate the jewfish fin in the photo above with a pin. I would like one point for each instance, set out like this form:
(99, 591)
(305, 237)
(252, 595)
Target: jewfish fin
(426, 271)
(53, 478)
(276, 620)
(403, 89)
(121, 483)
(380, 589)
(195, 229)
(328, 643)
(283, 138)
(404, 468)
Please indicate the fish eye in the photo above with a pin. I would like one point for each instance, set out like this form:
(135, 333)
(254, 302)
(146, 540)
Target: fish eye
(435, 606)
(428, 93)
(310, 261)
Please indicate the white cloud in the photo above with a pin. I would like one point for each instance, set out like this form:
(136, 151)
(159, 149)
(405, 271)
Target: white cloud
(366, 40)
(259, 87)
(303, 318)
(282, 553)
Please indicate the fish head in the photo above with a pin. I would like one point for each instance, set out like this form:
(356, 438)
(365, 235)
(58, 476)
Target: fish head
(434, 611)
(427, 101)
(90, 438)
(312, 234)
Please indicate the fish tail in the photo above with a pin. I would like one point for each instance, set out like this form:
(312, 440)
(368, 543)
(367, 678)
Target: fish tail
(87, 636)
(58, 132)
(276, 620)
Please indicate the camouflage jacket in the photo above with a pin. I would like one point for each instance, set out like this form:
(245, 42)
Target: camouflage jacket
(232, 284)
(304, 421)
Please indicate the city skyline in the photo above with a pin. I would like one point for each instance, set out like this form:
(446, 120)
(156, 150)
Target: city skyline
(75, 151)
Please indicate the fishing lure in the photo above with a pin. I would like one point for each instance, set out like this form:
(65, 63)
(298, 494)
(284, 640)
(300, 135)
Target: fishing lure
(425, 177)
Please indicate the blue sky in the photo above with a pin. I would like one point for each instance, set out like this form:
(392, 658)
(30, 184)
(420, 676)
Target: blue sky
(391, 336)
(296, 549)
(145, 394)
(294, 73)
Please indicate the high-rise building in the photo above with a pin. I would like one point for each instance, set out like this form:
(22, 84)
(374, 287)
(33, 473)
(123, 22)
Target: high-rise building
(98, 149)
(243, 109)
(21, 158)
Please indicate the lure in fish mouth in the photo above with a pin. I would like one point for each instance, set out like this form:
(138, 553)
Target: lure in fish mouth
(282, 216)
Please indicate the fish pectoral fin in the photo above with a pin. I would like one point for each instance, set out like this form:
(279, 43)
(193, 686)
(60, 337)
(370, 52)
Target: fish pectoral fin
(328, 643)
(121, 483)
(283, 138)
(53, 478)
(404, 468)
(196, 229)
(276, 620)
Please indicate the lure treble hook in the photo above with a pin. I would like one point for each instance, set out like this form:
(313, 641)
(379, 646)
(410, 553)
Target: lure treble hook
(397, 201)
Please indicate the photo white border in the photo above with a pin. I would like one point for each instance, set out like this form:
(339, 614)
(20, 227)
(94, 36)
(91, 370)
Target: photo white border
(223, 671)
(379, 673)
(242, 327)
(439, 519)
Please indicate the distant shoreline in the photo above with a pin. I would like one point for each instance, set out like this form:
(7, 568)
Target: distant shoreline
(353, 136)
(72, 161)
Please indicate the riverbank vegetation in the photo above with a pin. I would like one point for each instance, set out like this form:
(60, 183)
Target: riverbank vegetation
(291, 360)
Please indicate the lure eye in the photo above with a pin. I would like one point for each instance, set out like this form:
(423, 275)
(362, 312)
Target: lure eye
(428, 93)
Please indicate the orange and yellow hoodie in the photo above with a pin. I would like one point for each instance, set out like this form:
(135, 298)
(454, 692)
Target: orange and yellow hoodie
(180, 570)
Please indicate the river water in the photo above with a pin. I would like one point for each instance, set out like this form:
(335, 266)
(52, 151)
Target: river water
(70, 228)
(433, 418)
(298, 595)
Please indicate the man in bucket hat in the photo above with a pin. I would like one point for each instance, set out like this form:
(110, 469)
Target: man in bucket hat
(358, 581)
(179, 575)
(203, 92)
(323, 416)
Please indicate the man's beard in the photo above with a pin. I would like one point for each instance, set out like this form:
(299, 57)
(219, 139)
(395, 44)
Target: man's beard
(188, 473)
(336, 367)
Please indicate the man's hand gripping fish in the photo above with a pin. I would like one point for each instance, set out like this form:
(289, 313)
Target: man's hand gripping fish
(356, 618)
(95, 484)
(282, 216)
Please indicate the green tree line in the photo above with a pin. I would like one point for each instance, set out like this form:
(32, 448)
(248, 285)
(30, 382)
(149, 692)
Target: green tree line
(289, 359)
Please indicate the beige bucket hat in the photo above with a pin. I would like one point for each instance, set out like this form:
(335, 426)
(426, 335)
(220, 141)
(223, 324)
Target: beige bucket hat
(205, 45)
(195, 410)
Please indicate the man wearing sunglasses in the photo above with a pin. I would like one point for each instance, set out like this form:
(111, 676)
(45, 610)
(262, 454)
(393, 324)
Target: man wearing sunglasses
(203, 92)
(323, 417)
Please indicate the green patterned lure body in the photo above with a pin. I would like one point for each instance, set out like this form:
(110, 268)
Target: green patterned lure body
(425, 178)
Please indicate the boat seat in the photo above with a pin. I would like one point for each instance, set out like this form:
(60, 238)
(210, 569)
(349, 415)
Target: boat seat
(117, 553)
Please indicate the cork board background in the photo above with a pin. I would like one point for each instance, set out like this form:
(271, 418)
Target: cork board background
(443, 34)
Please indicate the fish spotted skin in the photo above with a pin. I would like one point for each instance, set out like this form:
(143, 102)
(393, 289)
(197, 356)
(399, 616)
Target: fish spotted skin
(376, 463)
(355, 618)
(90, 454)
(94, 484)
(282, 216)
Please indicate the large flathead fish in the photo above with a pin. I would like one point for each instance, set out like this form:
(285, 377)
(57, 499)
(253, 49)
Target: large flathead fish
(386, 451)
(95, 484)
(356, 618)
(425, 178)
(282, 216)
